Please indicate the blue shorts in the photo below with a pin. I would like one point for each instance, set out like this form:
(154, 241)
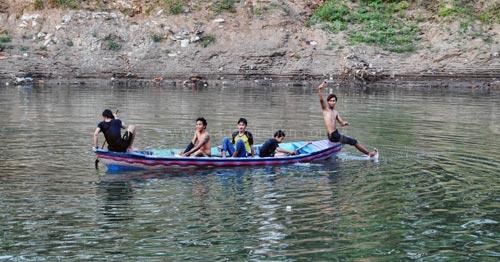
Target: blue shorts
(336, 136)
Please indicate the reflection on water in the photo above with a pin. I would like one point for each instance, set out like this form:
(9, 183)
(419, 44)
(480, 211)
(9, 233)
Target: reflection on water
(433, 194)
(117, 197)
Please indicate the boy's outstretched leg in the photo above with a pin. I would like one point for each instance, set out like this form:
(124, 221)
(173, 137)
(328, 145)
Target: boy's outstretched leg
(362, 149)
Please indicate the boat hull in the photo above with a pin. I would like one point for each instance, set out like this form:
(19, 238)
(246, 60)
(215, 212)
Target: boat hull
(116, 161)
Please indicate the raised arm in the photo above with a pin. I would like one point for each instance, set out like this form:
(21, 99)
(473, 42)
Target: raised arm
(320, 94)
(115, 114)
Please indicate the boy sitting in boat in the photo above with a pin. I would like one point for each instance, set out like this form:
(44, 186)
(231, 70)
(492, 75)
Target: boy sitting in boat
(241, 143)
(200, 144)
(271, 147)
(332, 116)
(111, 128)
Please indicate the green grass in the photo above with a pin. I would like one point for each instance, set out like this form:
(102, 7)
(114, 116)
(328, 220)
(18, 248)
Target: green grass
(262, 8)
(385, 23)
(39, 4)
(464, 27)
(223, 5)
(64, 3)
(464, 9)
(111, 44)
(332, 45)
(156, 38)
(5, 38)
(490, 15)
(454, 11)
(371, 22)
(207, 40)
(174, 7)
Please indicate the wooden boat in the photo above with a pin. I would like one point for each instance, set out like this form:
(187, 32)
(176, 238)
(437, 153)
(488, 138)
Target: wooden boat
(169, 158)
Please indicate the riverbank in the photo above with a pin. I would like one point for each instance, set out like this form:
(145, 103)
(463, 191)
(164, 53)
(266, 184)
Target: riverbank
(255, 41)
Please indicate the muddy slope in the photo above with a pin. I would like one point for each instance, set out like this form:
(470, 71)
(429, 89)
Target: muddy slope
(84, 44)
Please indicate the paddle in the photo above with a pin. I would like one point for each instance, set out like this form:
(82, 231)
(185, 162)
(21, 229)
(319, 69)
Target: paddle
(299, 148)
(97, 158)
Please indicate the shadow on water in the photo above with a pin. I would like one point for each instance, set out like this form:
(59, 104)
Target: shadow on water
(117, 195)
(314, 167)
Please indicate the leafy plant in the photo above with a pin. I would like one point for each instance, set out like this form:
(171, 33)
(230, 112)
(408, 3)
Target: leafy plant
(491, 14)
(111, 44)
(63, 3)
(5, 38)
(156, 38)
(374, 22)
(464, 27)
(207, 40)
(223, 5)
(39, 4)
(453, 11)
(174, 7)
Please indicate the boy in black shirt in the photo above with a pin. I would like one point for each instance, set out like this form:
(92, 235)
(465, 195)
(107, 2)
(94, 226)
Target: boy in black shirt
(270, 147)
(111, 128)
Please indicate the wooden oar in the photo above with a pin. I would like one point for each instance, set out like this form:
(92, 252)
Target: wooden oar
(97, 158)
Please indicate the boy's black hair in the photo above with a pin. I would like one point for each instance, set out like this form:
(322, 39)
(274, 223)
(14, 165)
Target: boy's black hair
(203, 120)
(330, 97)
(279, 133)
(243, 120)
(107, 113)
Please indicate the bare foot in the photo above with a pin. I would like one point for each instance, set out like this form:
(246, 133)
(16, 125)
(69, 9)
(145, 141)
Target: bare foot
(373, 153)
(132, 149)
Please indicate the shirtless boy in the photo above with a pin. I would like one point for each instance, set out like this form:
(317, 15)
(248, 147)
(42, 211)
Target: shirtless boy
(332, 116)
(200, 144)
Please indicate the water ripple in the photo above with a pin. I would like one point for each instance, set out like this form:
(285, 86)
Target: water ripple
(433, 194)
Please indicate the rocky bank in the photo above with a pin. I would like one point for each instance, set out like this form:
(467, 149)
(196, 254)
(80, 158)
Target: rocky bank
(274, 44)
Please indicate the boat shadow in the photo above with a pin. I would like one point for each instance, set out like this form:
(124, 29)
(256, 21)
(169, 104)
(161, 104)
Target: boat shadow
(303, 168)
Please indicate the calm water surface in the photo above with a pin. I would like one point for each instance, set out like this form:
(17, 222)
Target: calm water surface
(433, 194)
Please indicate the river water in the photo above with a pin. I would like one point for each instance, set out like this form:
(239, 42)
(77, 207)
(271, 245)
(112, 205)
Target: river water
(433, 194)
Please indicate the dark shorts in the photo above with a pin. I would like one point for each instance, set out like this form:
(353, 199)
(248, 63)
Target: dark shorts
(122, 144)
(336, 136)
